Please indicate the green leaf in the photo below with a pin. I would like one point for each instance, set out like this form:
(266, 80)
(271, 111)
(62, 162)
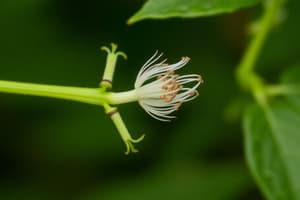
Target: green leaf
(272, 138)
(272, 141)
(158, 9)
(291, 78)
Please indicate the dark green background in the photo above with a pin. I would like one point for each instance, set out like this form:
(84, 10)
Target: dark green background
(53, 149)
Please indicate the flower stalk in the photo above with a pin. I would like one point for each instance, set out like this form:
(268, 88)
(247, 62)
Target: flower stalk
(158, 89)
(79, 94)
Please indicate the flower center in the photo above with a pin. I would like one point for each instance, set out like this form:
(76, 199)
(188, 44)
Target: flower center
(170, 86)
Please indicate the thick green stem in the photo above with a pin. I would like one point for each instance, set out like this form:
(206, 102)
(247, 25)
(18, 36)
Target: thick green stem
(246, 76)
(80, 94)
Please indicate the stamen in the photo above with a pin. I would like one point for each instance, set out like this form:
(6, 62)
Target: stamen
(167, 93)
(200, 79)
(186, 59)
(168, 99)
(164, 87)
(170, 72)
(177, 106)
(194, 93)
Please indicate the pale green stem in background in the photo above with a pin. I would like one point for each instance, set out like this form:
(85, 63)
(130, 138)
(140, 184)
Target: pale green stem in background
(275, 90)
(245, 73)
(80, 94)
(111, 62)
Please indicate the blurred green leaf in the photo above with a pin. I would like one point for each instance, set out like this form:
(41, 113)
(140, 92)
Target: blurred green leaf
(272, 148)
(272, 142)
(156, 9)
(291, 77)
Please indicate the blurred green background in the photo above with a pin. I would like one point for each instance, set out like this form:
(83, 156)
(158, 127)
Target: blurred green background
(53, 149)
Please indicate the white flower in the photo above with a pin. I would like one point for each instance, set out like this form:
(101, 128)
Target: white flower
(159, 98)
(159, 90)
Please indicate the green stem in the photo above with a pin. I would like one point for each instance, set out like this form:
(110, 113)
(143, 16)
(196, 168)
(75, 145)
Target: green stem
(246, 76)
(80, 94)
(121, 127)
(96, 96)
(111, 61)
(275, 90)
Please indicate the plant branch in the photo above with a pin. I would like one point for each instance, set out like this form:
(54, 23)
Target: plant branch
(246, 76)
(275, 90)
(80, 94)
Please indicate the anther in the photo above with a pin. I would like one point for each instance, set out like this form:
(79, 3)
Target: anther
(164, 87)
(170, 72)
(178, 105)
(168, 100)
(194, 93)
(186, 59)
(200, 79)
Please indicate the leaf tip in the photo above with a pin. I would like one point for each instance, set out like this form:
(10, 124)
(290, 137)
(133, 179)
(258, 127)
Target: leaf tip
(132, 20)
